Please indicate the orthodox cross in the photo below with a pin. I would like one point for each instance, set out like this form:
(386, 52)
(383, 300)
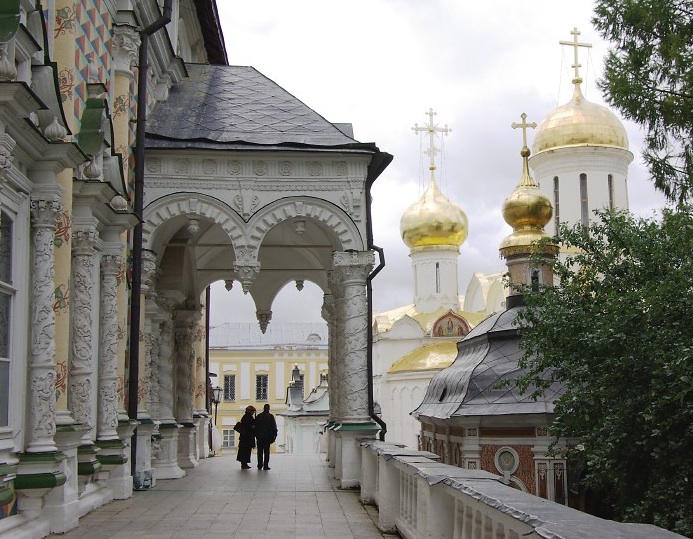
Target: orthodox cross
(524, 125)
(431, 129)
(576, 45)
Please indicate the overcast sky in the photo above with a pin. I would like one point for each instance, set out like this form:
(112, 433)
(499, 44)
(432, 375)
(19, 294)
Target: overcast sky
(381, 64)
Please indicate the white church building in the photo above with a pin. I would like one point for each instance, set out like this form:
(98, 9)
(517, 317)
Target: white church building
(580, 158)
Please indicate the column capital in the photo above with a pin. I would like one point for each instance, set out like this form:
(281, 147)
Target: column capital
(83, 241)
(353, 265)
(126, 42)
(44, 211)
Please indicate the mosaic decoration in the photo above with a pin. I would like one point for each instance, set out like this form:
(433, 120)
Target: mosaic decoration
(93, 43)
(450, 325)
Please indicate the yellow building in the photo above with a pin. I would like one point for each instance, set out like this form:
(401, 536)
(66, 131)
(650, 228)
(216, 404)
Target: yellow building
(254, 368)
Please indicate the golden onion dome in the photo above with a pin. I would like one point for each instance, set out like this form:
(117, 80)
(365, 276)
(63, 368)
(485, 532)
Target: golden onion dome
(579, 123)
(527, 210)
(433, 220)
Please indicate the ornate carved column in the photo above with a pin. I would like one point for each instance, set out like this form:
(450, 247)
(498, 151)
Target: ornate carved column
(328, 314)
(166, 362)
(166, 456)
(354, 267)
(186, 324)
(148, 290)
(83, 340)
(185, 360)
(108, 359)
(42, 347)
(336, 366)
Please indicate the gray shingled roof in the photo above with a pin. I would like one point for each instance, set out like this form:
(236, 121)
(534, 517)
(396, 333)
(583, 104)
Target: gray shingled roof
(488, 355)
(232, 107)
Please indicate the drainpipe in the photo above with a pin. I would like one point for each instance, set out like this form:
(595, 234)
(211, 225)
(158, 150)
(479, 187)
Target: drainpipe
(138, 202)
(379, 163)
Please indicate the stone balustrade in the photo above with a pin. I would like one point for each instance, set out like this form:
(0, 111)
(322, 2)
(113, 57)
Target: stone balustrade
(419, 497)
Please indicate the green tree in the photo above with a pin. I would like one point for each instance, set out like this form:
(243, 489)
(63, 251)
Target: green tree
(648, 76)
(617, 333)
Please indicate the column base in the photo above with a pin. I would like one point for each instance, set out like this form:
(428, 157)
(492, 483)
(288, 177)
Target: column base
(62, 503)
(144, 472)
(187, 446)
(348, 451)
(166, 462)
(202, 422)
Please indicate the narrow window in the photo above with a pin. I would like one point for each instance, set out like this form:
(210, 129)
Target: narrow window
(229, 387)
(584, 209)
(556, 202)
(610, 185)
(6, 295)
(261, 387)
(536, 280)
(437, 278)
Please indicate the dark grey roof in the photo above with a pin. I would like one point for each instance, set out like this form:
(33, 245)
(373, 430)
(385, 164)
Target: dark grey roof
(470, 386)
(236, 107)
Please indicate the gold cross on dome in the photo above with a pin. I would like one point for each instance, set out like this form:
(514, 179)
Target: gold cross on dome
(576, 45)
(524, 125)
(431, 129)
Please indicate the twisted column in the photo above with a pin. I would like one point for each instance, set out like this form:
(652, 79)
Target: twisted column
(353, 269)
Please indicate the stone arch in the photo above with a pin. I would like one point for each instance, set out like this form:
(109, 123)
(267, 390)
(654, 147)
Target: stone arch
(166, 208)
(329, 216)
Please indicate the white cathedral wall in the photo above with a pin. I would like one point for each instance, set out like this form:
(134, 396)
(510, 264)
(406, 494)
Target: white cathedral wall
(431, 291)
(403, 393)
(597, 163)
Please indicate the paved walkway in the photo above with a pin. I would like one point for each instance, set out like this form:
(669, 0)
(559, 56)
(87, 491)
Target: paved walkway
(217, 500)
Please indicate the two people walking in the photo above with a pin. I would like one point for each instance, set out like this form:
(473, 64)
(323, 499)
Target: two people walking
(262, 429)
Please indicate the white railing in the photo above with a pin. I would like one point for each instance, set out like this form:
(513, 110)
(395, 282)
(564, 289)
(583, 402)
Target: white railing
(419, 497)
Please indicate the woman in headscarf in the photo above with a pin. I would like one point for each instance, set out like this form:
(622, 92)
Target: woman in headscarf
(246, 443)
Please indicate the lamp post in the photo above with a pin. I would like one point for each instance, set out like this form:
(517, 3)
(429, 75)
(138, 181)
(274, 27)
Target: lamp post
(216, 399)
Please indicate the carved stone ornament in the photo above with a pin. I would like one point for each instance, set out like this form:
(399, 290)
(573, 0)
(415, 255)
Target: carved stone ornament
(154, 165)
(264, 317)
(54, 131)
(209, 166)
(341, 168)
(260, 168)
(315, 168)
(126, 42)
(181, 166)
(285, 168)
(233, 168)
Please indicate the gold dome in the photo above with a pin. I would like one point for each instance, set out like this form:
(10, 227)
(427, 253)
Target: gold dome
(579, 123)
(433, 220)
(432, 357)
(527, 210)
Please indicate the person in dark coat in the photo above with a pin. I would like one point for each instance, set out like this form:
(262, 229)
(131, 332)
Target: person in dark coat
(266, 434)
(247, 437)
